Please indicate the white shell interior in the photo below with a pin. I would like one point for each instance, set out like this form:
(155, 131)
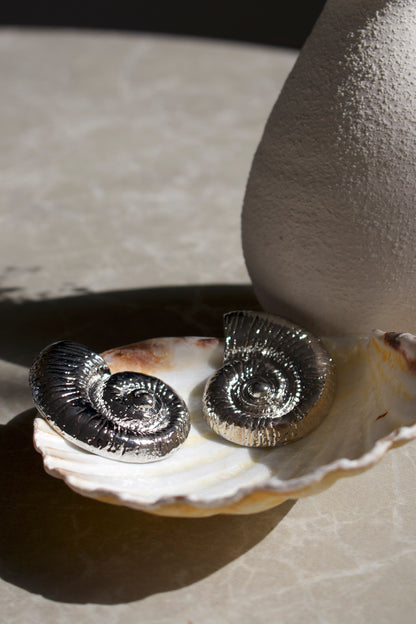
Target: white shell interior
(374, 408)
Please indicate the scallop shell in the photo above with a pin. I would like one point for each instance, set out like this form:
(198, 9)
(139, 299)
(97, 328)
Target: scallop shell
(276, 385)
(127, 416)
(374, 409)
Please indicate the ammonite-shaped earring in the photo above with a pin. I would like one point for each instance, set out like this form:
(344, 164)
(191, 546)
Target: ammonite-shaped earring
(127, 416)
(276, 385)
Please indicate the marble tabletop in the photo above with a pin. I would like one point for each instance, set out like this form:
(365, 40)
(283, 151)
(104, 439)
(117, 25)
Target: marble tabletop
(123, 163)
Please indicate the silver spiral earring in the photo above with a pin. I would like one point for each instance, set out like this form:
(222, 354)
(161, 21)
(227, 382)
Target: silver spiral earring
(276, 385)
(127, 416)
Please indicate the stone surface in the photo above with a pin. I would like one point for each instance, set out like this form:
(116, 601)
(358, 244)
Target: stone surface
(123, 163)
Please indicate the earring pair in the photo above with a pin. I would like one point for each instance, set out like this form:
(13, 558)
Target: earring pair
(276, 384)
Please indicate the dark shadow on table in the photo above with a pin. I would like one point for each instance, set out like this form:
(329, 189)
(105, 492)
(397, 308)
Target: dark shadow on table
(271, 22)
(110, 319)
(72, 549)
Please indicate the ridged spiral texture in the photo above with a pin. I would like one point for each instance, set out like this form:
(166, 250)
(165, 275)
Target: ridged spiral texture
(276, 385)
(126, 416)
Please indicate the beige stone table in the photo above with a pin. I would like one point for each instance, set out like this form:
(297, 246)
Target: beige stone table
(123, 161)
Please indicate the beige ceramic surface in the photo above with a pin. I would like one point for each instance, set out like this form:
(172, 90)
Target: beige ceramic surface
(123, 163)
(329, 210)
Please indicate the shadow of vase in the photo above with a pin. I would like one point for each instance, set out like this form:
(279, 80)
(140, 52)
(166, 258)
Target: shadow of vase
(68, 548)
(110, 319)
(76, 550)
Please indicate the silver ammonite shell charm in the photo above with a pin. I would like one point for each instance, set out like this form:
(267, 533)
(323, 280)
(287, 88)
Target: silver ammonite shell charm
(127, 416)
(276, 385)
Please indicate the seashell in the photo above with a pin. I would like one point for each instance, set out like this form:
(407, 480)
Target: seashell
(374, 409)
(276, 384)
(127, 416)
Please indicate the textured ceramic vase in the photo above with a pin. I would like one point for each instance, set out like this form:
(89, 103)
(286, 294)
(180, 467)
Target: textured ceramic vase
(329, 218)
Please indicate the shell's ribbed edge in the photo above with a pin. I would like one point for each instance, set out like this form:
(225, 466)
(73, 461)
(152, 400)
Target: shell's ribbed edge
(245, 500)
(210, 476)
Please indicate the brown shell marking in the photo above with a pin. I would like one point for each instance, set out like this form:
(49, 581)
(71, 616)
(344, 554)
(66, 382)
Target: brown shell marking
(152, 356)
(207, 342)
(395, 341)
(146, 357)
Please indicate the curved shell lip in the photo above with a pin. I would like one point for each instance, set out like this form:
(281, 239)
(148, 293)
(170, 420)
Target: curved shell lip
(291, 489)
(238, 499)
